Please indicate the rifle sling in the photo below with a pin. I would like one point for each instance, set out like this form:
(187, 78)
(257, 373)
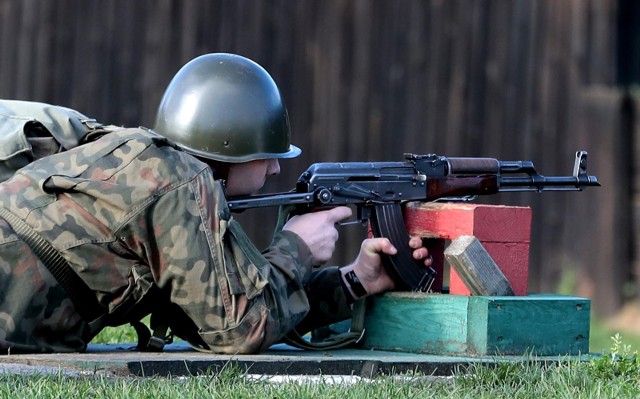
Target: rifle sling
(83, 298)
(349, 338)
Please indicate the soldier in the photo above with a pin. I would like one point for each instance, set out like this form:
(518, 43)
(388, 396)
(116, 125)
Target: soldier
(137, 223)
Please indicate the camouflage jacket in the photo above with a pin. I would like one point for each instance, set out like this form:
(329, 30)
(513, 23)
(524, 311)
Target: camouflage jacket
(131, 212)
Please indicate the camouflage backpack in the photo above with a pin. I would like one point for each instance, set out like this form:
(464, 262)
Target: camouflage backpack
(31, 130)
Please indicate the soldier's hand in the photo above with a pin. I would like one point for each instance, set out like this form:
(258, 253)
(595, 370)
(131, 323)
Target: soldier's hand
(318, 231)
(368, 265)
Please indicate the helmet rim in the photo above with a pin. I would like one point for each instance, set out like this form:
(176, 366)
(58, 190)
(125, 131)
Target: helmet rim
(292, 152)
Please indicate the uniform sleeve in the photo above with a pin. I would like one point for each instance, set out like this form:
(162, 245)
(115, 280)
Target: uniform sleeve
(241, 300)
(328, 303)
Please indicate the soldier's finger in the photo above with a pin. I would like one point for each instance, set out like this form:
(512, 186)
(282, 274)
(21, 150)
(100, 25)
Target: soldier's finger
(339, 213)
(379, 245)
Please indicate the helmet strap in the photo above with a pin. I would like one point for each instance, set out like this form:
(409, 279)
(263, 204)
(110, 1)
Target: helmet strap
(220, 169)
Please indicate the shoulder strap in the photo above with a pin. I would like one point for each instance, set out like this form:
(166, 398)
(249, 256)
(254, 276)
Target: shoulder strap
(349, 338)
(83, 298)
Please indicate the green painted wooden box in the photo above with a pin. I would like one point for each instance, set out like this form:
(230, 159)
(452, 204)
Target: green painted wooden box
(544, 325)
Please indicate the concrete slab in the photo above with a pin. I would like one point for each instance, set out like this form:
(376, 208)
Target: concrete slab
(180, 360)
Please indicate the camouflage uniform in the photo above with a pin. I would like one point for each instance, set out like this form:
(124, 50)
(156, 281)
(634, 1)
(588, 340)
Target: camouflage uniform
(131, 212)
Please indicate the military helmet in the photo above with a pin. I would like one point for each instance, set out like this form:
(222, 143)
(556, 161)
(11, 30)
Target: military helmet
(227, 108)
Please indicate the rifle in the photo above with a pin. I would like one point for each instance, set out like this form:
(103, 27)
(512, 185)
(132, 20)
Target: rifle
(378, 190)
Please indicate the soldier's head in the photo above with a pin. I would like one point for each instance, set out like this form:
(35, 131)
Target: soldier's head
(227, 109)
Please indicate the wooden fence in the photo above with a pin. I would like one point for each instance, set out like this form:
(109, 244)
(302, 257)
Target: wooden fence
(371, 79)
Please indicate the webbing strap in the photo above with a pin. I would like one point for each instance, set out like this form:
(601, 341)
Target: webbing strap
(82, 297)
(350, 338)
(356, 331)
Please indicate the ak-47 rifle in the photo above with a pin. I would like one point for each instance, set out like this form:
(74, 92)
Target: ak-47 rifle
(378, 190)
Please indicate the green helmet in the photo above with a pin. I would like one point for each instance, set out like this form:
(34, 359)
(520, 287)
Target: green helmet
(227, 108)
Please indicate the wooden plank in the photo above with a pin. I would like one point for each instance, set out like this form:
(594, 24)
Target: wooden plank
(448, 220)
(544, 325)
(513, 259)
(179, 359)
(541, 324)
(418, 323)
(476, 268)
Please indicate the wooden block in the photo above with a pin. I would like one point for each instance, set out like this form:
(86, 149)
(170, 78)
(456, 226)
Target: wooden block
(476, 267)
(504, 231)
(510, 257)
(544, 325)
(497, 223)
(417, 322)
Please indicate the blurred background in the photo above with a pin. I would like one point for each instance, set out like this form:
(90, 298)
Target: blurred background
(367, 80)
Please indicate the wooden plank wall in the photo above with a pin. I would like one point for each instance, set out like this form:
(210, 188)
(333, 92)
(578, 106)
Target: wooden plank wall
(366, 80)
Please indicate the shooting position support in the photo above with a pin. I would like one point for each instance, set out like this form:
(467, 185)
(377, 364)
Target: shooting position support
(461, 324)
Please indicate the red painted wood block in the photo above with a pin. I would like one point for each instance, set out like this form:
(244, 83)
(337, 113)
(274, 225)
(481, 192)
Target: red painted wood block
(504, 231)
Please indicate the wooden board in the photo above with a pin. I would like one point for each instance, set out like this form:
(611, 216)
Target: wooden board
(476, 267)
(544, 325)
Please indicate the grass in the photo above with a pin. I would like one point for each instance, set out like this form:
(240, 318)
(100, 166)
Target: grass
(226, 385)
(114, 335)
(600, 337)
(615, 375)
